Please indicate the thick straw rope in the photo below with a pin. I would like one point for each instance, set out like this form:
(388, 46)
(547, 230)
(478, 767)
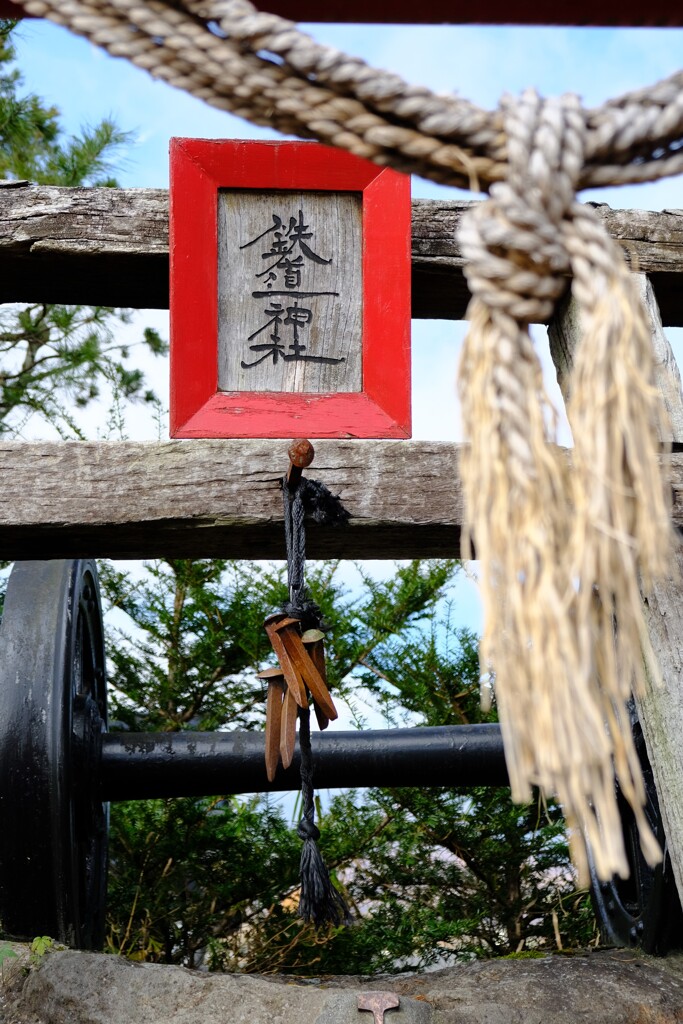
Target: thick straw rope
(554, 585)
(564, 633)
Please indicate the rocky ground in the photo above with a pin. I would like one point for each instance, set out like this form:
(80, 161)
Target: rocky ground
(603, 987)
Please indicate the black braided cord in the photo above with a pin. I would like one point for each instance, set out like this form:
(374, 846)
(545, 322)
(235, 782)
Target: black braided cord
(319, 902)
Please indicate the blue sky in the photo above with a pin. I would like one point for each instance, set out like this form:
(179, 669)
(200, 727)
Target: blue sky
(480, 63)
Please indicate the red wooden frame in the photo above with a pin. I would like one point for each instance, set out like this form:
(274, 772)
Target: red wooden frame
(199, 168)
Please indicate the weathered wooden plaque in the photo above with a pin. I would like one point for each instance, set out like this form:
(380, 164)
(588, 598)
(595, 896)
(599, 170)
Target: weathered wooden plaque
(289, 293)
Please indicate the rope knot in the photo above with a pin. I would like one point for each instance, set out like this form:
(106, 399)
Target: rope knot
(517, 257)
(308, 830)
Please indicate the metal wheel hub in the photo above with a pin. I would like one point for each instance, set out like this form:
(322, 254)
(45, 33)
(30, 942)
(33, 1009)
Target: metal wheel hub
(53, 822)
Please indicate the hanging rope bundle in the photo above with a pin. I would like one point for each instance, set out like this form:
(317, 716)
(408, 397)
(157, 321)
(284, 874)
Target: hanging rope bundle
(561, 553)
(556, 581)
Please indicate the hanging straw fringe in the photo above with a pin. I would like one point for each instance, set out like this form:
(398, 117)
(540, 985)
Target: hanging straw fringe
(561, 553)
(565, 633)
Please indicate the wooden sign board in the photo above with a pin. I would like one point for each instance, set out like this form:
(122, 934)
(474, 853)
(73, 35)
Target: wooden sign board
(290, 292)
(300, 265)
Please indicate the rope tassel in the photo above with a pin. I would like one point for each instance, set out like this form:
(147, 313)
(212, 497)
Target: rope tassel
(561, 553)
(319, 901)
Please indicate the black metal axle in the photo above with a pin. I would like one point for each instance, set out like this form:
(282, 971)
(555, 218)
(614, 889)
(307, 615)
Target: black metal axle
(58, 766)
(138, 766)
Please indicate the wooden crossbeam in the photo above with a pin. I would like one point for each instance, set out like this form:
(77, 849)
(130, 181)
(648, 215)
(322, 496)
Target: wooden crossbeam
(222, 499)
(110, 247)
(499, 12)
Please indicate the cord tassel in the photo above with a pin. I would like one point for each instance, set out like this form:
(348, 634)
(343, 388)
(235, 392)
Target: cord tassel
(319, 901)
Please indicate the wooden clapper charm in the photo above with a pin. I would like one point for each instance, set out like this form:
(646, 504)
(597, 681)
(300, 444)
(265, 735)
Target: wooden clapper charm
(301, 674)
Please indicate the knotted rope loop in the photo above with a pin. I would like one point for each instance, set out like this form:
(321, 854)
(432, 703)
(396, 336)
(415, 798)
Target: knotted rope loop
(554, 584)
(313, 498)
(516, 270)
(516, 258)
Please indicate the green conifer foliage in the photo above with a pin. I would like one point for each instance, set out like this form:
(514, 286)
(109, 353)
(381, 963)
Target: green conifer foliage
(433, 875)
(55, 359)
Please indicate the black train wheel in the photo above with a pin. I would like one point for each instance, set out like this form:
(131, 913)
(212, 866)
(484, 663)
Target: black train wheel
(53, 824)
(643, 910)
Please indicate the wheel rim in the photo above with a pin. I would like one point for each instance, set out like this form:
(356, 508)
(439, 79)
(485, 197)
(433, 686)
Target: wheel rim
(644, 909)
(53, 824)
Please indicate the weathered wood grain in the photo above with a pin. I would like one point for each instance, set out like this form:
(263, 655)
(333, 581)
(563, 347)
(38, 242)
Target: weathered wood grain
(98, 246)
(110, 247)
(661, 710)
(222, 499)
(281, 295)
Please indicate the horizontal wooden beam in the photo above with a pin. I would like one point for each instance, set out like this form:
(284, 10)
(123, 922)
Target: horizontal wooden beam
(222, 499)
(498, 12)
(96, 246)
(495, 12)
(110, 247)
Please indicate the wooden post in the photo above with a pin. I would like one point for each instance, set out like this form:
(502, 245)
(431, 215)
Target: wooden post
(661, 711)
